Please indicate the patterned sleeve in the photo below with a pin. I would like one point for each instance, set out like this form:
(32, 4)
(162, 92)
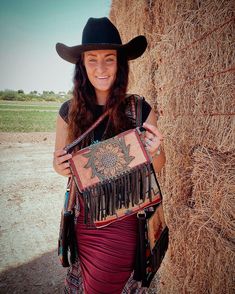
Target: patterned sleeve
(64, 110)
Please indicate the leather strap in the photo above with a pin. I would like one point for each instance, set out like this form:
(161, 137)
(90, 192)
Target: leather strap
(69, 148)
(139, 112)
(136, 109)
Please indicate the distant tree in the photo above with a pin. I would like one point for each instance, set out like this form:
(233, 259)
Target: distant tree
(9, 95)
(20, 91)
(51, 92)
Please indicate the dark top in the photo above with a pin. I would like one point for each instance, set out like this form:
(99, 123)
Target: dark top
(64, 109)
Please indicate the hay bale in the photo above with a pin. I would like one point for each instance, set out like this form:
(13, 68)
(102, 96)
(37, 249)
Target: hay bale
(213, 197)
(126, 15)
(202, 245)
(192, 270)
(187, 74)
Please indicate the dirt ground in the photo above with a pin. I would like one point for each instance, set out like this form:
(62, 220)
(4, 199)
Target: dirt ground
(31, 201)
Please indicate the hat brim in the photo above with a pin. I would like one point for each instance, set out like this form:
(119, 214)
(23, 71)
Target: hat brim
(132, 50)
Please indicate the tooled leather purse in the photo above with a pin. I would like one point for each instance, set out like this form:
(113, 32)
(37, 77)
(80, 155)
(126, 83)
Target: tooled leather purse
(115, 177)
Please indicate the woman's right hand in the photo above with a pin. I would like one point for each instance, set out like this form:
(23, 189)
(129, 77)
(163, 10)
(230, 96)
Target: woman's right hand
(60, 164)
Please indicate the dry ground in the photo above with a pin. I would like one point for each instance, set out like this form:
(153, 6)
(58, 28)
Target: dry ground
(30, 202)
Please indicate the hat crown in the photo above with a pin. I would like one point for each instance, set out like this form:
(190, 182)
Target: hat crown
(100, 31)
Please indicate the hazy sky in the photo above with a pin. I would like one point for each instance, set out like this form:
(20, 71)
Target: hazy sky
(29, 30)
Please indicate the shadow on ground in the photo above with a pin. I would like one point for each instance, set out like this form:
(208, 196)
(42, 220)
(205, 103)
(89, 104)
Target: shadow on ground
(42, 275)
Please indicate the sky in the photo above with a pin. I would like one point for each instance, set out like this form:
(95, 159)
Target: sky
(29, 30)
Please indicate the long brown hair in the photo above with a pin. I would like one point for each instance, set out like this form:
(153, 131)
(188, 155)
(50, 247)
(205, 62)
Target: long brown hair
(82, 106)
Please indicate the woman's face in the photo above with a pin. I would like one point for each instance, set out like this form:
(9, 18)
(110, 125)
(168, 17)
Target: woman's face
(101, 68)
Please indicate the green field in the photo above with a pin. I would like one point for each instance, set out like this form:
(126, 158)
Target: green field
(19, 116)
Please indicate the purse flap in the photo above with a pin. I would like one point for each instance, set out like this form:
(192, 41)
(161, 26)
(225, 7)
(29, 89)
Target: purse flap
(108, 159)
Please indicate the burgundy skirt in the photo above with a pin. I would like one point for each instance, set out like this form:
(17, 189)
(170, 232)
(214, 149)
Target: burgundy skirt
(106, 255)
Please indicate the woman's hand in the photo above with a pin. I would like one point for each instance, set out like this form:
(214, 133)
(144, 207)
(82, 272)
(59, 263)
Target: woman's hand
(153, 139)
(60, 164)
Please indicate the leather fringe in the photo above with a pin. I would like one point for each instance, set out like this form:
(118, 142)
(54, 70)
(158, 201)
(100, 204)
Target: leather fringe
(106, 197)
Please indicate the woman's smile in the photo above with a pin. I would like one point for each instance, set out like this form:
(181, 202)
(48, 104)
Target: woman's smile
(102, 78)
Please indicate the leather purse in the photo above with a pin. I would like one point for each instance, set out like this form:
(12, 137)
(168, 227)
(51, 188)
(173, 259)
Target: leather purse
(115, 177)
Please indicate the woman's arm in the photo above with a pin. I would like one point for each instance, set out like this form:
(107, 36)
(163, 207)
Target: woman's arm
(153, 139)
(60, 163)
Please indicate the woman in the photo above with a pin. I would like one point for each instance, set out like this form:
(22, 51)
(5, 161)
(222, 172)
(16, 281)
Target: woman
(106, 256)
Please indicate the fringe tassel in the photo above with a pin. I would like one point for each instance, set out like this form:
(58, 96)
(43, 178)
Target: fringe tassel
(129, 189)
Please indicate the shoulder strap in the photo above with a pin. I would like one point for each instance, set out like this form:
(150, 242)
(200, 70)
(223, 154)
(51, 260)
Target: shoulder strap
(139, 103)
(136, 109)
(69, 148)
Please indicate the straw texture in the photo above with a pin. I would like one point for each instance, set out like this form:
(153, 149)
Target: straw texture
(187, 75)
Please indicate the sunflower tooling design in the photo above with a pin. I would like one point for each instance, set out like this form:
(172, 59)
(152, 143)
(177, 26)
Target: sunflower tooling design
(106, 159)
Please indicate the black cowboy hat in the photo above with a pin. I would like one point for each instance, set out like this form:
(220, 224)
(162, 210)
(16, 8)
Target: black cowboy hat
(100, 33)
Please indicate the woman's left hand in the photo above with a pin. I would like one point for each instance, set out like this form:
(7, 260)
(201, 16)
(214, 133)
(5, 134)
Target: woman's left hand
(153, 139)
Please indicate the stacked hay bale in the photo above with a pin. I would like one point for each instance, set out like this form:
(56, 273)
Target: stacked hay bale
(187, 75)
